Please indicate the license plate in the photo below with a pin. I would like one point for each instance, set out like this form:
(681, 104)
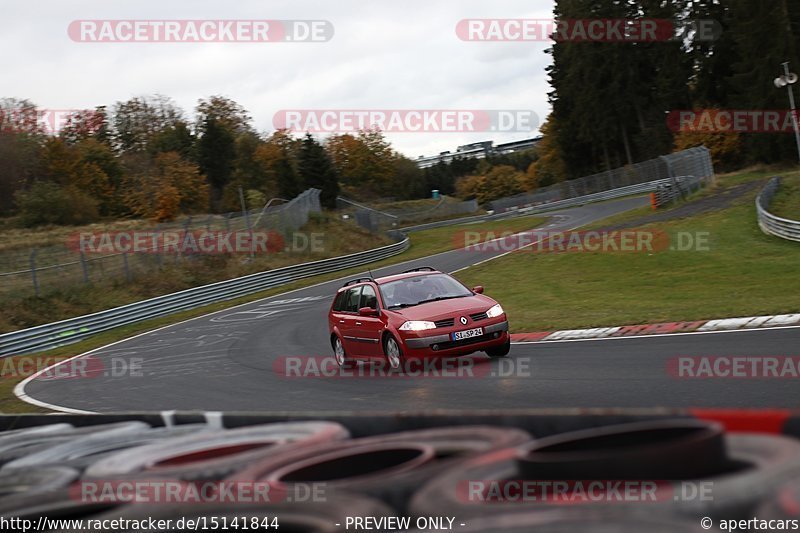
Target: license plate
(467, 334)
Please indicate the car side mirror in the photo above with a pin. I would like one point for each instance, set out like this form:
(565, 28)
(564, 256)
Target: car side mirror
(368, 311)
(478, 289)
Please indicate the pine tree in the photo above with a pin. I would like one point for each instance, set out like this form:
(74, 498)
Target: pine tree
(316, 170)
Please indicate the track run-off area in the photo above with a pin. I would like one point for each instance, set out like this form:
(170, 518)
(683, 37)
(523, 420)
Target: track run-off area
(274, 355)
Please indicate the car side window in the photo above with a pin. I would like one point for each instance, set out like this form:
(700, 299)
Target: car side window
(369, 298)
(338, 303)
(352, 300)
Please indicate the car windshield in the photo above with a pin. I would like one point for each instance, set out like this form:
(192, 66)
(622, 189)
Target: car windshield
(421, 289)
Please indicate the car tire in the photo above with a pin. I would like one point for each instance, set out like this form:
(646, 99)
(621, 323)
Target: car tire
(393, 353)
(499, 351)
(756, 465)
(339, 352)
(213, 455)
(389, 467)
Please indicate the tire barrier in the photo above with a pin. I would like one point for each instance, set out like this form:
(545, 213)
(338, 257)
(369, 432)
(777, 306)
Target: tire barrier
(25, 443)
(387, 467)
(33, 480)
(84, 451)
(737, 469)
(416, 473)
(214, 454)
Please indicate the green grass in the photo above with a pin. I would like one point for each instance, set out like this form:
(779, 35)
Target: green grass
(744, 272)
(424, 243)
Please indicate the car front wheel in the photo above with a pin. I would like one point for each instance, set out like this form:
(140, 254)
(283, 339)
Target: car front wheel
(338, 352)
(499, 351)
(394, 355)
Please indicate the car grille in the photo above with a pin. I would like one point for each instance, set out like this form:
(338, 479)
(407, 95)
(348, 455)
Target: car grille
(479, 316)
(445, 323)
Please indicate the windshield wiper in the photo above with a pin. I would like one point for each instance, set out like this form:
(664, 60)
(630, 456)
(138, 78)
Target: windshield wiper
(401, 306)
(440, 298)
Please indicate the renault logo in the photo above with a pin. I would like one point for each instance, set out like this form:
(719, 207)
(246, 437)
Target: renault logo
(464, 320)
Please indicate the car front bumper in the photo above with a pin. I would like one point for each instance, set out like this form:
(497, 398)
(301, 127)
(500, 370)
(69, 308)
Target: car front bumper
(493, 334)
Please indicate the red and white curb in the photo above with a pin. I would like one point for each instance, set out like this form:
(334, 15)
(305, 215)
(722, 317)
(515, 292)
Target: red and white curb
(724, 324)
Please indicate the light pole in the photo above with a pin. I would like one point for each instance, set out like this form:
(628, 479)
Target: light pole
(787, 80)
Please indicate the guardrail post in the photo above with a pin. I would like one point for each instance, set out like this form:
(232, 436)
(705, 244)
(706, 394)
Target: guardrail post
(33, 272)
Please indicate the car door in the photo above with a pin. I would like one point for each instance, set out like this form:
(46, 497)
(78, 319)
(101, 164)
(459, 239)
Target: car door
(368, 329)
(346, 321)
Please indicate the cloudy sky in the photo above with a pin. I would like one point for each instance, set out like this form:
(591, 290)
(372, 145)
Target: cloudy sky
(384, 55)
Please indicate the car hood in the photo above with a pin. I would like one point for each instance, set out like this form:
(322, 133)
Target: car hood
(446, 308)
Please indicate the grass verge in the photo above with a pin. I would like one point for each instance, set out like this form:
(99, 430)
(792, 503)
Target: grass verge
(740, 272)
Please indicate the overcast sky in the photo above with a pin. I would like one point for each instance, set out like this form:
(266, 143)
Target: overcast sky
(384, 55)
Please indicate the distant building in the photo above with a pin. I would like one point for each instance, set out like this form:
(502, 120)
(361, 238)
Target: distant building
(477, 150)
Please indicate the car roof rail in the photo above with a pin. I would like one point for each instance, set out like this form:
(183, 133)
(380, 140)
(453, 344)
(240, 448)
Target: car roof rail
(421, 269)
(357, 280)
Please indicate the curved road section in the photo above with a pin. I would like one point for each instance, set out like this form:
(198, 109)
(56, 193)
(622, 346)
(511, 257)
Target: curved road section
(274, 355)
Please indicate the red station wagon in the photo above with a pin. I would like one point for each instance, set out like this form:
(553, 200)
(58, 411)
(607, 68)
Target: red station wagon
(419, 313)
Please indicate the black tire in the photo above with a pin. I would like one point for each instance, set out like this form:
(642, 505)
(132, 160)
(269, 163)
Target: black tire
(499, 351)
(395, 361)
(756, 465)
(339, 352)
(388, 467)
(214, 454)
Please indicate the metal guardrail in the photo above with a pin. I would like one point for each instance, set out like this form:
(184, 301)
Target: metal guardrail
(630, 190)
(49, 336)
(679, 188)
(771, 224)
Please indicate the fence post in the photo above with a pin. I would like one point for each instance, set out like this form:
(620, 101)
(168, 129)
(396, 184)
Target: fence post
(246, 220)
(84, 267)
(33, 272)
(125, 266)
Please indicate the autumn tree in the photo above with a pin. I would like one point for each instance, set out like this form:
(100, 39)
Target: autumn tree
(174, 186)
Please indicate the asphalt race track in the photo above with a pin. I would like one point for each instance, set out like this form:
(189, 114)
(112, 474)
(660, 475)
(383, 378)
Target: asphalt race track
(238, 360)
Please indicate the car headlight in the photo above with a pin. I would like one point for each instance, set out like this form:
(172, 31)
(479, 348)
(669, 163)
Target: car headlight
(417, 325)
(494, 311)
